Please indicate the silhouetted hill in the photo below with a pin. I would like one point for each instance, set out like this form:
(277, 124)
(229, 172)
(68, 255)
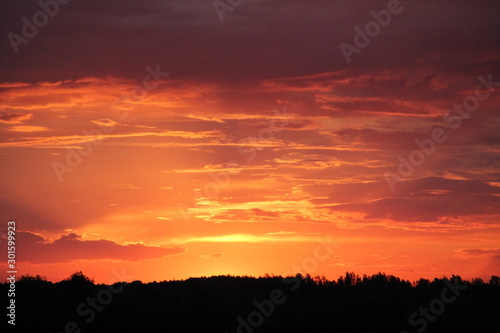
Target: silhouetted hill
(378, 303)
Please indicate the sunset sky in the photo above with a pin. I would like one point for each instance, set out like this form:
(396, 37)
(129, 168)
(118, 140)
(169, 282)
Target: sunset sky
(153, 139)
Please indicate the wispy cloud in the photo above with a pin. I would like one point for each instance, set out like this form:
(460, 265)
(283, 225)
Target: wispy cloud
(15, 118)
(28, 128)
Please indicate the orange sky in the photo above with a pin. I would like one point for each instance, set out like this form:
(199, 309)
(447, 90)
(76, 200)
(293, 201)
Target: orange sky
(255, 149)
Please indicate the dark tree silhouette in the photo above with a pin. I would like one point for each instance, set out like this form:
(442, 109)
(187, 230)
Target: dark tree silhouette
(376, 303)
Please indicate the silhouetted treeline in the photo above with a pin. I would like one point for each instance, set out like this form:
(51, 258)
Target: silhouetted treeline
(377, 303)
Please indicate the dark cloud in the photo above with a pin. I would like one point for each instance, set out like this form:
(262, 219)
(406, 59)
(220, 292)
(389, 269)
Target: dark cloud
(479, 252)
(34, 248)
(428, 199)
(15, 118)
(258, 39)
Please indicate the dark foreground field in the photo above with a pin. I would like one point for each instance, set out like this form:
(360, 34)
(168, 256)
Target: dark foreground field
(377, 303)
